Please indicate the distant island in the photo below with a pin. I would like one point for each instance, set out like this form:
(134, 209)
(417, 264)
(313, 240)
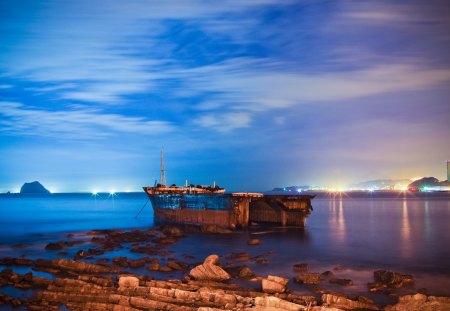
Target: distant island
(33, 187)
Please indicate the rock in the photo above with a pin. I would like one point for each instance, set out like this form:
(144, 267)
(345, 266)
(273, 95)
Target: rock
(80, 267)
(254, 242)
(5, 299)
(164, 269)
(154, 265)
(246, 273)
(327, 274)
(386, 280)
(174, 265)
(300, 267)
(343, 302)
(126, 282)
(420, 302)
(344, 282)
(274, 303)
(172, 231)
(274, 284)
(214, 229)
(136, 263)
(210, 270)
(33, 187)
(239, 256)
(309, 278)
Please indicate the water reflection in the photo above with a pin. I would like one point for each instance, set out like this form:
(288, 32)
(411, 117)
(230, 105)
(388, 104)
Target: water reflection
(406, 230)
(337, 219)
(426, 218)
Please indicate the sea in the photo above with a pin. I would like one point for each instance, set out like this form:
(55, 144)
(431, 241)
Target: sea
(350, 234)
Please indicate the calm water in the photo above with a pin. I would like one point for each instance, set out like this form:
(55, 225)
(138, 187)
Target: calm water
(408, 234)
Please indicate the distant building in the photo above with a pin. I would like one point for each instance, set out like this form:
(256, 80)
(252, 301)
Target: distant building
(448, 170)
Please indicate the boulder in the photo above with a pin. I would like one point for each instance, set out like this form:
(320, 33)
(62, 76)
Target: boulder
(274, 284)
(209, 270)
(309, 278)
(246, 273)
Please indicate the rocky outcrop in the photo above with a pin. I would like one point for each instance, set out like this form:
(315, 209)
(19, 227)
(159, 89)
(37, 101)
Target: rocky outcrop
(274, 284)
(387, 280)
(80, 267)
(254, 242)
(309, 278)
(420, 302)
(343, 302)
(33, 187)
(210, 270)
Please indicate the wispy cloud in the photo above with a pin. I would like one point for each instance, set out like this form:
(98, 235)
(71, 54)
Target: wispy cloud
(81, 123)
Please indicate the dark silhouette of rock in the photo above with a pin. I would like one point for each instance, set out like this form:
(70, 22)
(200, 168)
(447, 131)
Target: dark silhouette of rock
(33, 187)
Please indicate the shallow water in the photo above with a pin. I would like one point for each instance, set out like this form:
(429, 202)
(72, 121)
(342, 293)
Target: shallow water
(406, 234)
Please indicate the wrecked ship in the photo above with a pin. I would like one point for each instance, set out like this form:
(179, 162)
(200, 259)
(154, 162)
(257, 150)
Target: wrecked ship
(212, 205)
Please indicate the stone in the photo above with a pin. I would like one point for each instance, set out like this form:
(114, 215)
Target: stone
(254, 242)
(126, 282)
(274, 284)
(246, 273)
(209, 270)
(309, 278)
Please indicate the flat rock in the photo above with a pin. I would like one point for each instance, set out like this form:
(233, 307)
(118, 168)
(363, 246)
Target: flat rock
(274, 284)
(343, 302)
(300, 267)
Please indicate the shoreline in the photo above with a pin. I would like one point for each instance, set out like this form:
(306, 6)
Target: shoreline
(99, 255)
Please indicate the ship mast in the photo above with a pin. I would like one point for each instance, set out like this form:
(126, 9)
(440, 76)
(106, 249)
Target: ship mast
(162, 177)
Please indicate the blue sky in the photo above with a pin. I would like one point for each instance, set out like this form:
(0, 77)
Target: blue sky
(252, 94)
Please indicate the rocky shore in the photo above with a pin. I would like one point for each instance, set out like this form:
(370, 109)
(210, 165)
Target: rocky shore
(87, 281)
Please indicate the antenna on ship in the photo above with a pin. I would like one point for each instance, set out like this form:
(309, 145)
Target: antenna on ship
(162, 178)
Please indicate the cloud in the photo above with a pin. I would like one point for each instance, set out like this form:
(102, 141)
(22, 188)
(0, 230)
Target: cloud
(224, 122)
(80, 123)
(258, 89)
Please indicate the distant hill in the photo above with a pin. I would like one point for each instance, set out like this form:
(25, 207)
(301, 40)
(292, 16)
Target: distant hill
(424, 182)
(33, 187)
